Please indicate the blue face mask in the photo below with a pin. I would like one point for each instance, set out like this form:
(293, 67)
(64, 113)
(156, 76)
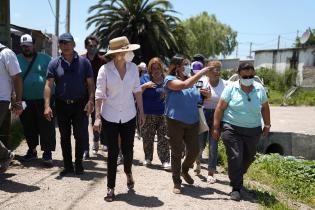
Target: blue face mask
(247, 82)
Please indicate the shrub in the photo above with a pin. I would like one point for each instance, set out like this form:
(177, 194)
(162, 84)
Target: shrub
(226, 74)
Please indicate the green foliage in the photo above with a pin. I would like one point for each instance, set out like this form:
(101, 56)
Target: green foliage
(206, 35)
(277, 81)
(148, 23)
(275, 97)
(302, 97)
(295, 178)
(222, 158)
(226, 74)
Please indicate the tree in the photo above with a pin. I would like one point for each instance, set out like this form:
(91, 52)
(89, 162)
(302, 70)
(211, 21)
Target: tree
(149, 23)
(206, 35)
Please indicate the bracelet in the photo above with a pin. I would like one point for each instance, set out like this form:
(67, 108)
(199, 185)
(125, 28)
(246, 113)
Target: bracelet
(267, 126)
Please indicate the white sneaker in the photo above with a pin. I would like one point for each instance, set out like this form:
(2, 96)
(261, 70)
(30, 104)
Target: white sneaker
(197, 168)
(166, 166)
(211, 179)
(104, 148)
(147, 162)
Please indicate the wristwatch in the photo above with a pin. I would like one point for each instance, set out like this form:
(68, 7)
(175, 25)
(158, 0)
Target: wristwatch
(267, 126)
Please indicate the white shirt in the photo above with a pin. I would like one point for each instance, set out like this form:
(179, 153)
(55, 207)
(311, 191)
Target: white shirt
(117, 94)
(211, 103)
(9, 66)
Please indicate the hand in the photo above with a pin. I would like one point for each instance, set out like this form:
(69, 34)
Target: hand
(89, 107)
(215, 132)
(150, 85)
(265, 131)
(18, 110)
(48, 114)
(205, 92)
(97, 125)
(141, 119)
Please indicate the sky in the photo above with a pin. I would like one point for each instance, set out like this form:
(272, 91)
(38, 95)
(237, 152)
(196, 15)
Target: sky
(256, 21)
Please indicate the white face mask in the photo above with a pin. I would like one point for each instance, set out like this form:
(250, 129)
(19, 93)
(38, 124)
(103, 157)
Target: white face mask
(129, 56)
(186, 71)
(247, 82)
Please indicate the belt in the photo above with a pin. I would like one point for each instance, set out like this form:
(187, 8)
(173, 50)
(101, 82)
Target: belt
(70, 101)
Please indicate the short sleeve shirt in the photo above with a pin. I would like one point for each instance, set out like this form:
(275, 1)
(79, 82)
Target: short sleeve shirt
(70, 78)
(243, 110)
(153, 98)
(34, 83)
(181, 105)
(9, 66)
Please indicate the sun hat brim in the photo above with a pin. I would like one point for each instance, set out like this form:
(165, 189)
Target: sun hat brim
(129, 47)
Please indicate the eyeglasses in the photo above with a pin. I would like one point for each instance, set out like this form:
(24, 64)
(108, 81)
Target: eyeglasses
(248, 77)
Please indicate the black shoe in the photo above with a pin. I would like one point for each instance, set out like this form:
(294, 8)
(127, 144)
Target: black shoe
(30, 155)
(66, 171)
(79, 169)
(47, 159)
(235, 195)
(86, 155)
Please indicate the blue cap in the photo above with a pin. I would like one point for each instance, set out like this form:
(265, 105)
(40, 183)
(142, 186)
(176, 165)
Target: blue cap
(66, 37)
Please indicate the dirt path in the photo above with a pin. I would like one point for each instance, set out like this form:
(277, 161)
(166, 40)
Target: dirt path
(30, 186)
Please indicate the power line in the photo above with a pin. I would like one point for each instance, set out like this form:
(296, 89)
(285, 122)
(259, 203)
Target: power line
(265, 34)
(51, 9)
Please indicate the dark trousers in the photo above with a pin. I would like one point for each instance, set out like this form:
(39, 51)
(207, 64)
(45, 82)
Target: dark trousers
(179, 133)
(5, 130)
(240, 144)
(72, 115)
(127, 133)
(36, 126)
(4, 152)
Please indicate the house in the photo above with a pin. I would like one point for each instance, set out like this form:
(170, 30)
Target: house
(300, 58)
(46, 43)
(232, 63)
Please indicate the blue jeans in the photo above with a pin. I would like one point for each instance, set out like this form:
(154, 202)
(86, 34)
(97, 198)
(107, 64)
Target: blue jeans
(213, 144)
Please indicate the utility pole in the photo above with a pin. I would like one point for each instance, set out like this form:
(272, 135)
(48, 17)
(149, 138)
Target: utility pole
(5, 34)
(278, 42)
(68, 17)
(250, 50)
(236, 50)
(57, 18)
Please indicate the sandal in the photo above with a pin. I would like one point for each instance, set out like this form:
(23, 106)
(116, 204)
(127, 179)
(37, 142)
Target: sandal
(110, 196)
(130, 182)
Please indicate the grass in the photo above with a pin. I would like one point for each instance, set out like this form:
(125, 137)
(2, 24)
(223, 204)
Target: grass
(293, 178)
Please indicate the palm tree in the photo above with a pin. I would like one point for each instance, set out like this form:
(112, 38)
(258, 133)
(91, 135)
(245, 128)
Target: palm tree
(149, 23)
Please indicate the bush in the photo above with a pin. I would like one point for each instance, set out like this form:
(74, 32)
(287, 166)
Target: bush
(222, 158)
(226, 74)
(302, 97)
(296, 178)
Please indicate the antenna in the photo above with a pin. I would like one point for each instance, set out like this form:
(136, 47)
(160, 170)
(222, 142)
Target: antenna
(305, 36)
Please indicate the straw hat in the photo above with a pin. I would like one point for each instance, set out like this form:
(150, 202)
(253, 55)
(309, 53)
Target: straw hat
(121, 44)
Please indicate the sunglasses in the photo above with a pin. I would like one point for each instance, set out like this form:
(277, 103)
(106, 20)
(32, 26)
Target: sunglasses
(248, 77)
(64, 42)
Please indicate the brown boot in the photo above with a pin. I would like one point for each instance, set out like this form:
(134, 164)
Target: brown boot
(177, 189)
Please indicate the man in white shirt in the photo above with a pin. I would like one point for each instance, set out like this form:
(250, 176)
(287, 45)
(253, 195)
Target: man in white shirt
(9, 73)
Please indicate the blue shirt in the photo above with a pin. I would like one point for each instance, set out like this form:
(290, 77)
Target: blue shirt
(70, 78)
(153, 100)
(34, 83)
(181, 105)
(243, 110)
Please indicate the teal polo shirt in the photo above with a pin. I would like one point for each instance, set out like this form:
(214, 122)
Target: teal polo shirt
(181, 105)
(34, 83)
(240, 111)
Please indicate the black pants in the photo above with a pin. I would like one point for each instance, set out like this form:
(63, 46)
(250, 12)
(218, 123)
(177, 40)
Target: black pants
(4, 108)
(36, 126)
(240, 144)
(72, 115)
(127, 134)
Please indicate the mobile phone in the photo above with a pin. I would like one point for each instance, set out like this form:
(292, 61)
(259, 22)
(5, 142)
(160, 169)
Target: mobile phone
(199, 84)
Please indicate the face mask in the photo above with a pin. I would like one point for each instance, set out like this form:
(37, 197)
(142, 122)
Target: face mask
(186, 71)
(129, 56)
(247, 82)
(92, 51)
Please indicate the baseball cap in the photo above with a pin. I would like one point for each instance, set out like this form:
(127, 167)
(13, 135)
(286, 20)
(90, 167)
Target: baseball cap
(26, 40)
(66, 37)
(196, 66)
